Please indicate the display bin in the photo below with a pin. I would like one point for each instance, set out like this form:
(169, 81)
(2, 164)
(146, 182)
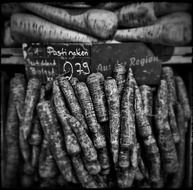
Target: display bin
(11, 66)
(49, 59)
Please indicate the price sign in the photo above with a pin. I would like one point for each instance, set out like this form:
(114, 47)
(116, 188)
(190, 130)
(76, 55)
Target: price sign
(145, 65)
(46, 61)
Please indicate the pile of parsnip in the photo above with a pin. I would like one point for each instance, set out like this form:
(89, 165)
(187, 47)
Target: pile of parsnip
(150, 22)
(102, 133)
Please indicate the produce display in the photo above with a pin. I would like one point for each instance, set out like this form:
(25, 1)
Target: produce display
(58, 137)
(150, 22)
(106, 131)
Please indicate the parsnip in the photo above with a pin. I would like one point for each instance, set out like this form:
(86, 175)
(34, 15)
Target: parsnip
(136, 14)
(39, 30)
(174, 29)
(96, 22)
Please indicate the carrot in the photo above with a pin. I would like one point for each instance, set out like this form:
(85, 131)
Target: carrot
(104, 160)
(147, 101)
(119, 74)
(47, 165)
(168, 75)
(36, 134)
(112, 95)
(86, 103)
(25, 148)
(139, 175)
(150, 146)
(182, 96)
(35, 156)
(42, 93)
(101, 183)
(125, 177)
(70, 139)
(31, 98)
(83, 138)
(72, 100)
(48, 119)
(136, 14)
(59, 102)
(127, 130)
(35, 140)
(143, 125)
(93, 167)
(142, 167)
(36, 29)
(19, 98)
(95, 82)
(173, 30)
(96, 22)
(179, 176)
(164, 136)
(73, 82)
(11, 141)
(86, 180)
(127, 133)
(154, 162)
(19, 92)
(88, 149)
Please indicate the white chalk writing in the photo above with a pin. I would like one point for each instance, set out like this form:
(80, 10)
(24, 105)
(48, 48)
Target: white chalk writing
(102, 68)
(77, 52)
(142, 61)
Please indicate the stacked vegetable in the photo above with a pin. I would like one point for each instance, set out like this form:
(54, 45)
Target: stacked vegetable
(150, 22)
(100, 133)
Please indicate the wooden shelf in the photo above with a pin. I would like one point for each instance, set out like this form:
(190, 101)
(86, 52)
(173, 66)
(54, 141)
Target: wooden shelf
(181, 55)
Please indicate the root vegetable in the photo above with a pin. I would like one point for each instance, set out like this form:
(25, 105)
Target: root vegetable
(136, 14)
(86, 180)
(112, 96)
(36, 29)
(168, 75)
(178, 177)
(95, 82)
(31, 98)
(86, 103)
(172, 30)
(55, 139)
(70, 139)
(182, 96)
(72, 100)
(164, 136)
(96, 22)
(47, 165)
(12, 159)
(119, 74)
(150, 146)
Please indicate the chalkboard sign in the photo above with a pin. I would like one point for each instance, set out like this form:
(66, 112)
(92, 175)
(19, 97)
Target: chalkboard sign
(145, 65)
(46, 61)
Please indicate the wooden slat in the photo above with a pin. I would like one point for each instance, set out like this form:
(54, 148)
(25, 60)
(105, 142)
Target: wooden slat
(182, 50)
(178, 60)
(17, 55)
(11, 51)
(13, 60)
